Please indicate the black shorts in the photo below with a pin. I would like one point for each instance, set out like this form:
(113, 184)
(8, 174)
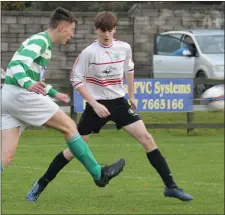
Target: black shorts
(121, 114)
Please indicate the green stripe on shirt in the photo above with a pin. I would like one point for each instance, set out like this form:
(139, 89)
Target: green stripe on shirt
(28, 53)
(26, 65)
(40, 43)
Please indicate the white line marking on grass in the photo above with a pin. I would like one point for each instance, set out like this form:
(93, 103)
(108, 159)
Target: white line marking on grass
(90, 145)
(128, 177)
(95, 145)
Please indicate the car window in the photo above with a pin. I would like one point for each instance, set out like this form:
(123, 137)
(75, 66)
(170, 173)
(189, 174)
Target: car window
(167, 45)
(188, 42)
(176, 35)
(211, 44)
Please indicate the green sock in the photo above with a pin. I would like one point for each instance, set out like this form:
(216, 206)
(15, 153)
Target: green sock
(81, 151)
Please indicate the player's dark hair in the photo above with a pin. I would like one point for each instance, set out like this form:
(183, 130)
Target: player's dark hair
(105, 21)
(60, 14)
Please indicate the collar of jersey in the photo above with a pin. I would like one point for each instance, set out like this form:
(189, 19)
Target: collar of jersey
(49, 39)
(105, 46)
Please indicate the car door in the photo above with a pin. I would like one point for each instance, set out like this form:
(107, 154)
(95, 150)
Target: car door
(167, 64)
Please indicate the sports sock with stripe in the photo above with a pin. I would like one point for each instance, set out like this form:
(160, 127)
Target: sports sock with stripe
(81, 151)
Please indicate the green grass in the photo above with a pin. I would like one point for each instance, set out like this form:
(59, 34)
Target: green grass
(197, 163)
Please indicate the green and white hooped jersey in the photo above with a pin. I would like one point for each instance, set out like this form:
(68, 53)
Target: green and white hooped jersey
(29, 63)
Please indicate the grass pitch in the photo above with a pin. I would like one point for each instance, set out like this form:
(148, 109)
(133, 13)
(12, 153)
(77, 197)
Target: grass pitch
(197, 164)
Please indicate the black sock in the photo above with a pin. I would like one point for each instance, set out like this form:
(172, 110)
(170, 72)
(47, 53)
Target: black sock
(159, 163)
(56, 165)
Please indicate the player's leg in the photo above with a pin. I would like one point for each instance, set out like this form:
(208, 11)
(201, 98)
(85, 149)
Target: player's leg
(57, 164)
(46, 112)
(126, 118)
(10, 138)
(89, 123)
(107, 173)
(76, 144)
(140, 133)
(11, 127)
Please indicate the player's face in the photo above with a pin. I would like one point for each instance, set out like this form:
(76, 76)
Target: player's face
(67, 31)
(105, 37)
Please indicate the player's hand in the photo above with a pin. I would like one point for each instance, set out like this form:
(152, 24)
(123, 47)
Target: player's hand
(101, 110)
(63, 98)
(133, 103)
(38, 87)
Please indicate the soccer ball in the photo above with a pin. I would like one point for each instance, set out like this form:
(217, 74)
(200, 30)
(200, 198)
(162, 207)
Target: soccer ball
(214, 97)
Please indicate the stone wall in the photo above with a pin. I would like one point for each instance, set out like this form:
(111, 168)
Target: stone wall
(136, 27)
(17, 26)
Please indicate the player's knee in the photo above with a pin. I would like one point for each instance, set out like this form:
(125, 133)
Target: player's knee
(70, 128)
(10, 159)
(85, 138)
(68, 154)
(7, 159)
(147, 138)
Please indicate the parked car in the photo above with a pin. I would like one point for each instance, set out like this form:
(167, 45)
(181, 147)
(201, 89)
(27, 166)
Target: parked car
(196, 53)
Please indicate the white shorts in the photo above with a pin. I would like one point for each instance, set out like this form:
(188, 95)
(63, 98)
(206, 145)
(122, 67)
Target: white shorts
(21, 108)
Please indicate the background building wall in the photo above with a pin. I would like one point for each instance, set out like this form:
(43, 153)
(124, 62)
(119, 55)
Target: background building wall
(136, 27)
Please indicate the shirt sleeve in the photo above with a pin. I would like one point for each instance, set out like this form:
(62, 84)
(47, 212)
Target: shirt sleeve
(80, 69)
(23, 59)
(50, 90)
(128, 64)
(179, 52)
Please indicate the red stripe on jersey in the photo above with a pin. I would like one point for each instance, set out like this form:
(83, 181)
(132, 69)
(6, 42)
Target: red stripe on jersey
(77, 84)
(104, 81)
(103, 85)
(108, 62)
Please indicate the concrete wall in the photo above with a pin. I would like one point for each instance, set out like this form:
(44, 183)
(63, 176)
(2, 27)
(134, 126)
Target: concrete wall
(136, 27)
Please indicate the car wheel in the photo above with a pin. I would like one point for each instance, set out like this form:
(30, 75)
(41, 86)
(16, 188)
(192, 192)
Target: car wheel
(200, 88)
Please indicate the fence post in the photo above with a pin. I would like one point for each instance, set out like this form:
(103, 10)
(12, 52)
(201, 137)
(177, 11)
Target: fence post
(73, 114)
(190, 116)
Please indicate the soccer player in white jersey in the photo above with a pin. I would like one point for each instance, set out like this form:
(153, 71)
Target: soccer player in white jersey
(98, 76)
(24, 100)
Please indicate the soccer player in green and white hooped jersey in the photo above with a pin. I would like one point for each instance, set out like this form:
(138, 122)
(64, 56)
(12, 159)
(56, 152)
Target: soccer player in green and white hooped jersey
(24, 100)
(29, 63)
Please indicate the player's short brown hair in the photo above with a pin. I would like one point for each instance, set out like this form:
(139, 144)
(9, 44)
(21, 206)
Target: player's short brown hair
(105, 21)
(61, 14)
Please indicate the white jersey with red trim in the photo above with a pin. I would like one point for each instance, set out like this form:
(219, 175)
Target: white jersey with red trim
(101, 69)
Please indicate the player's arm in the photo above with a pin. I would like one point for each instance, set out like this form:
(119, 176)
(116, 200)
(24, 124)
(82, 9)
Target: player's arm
(129, 75)
(77, 78)
(22, 62)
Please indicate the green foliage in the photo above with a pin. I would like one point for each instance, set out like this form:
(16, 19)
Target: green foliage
(14, 5)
